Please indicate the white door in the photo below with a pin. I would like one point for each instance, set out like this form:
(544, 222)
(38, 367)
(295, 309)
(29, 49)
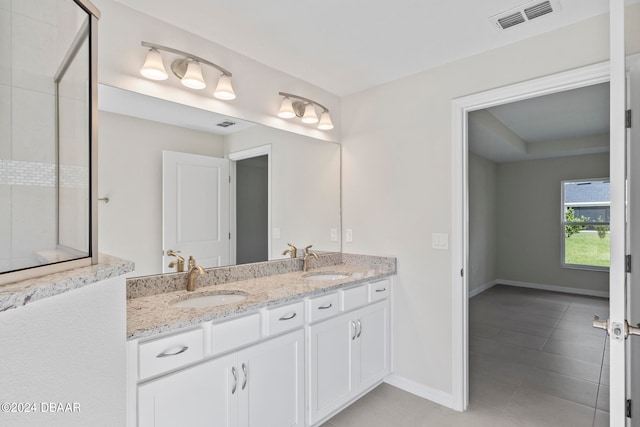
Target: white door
(621, 358)
(272, 388)
(633, 239)
(195, 208)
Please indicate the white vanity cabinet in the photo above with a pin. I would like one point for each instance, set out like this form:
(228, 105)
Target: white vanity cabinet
(261, 385)
(291, 365)
(346, 355)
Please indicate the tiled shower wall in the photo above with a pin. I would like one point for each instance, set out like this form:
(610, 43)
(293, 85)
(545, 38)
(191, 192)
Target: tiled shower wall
(34, 36)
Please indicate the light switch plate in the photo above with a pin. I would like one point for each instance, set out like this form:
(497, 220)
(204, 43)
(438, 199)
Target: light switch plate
(275, 233)
(440, 241)
(349, 236)
(334, 234)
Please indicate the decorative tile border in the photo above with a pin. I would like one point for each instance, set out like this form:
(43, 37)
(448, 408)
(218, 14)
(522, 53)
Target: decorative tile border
(35, 174)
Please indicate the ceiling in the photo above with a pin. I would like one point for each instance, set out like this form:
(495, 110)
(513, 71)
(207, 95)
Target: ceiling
(348, 46)
(566, 123)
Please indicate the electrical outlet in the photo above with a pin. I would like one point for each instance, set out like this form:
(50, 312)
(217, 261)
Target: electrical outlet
(334, 234)
(349, 236)
(275, 233)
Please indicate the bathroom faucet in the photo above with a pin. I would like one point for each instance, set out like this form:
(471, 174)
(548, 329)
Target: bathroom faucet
(178, 263)
(293, 252)
(307, 256)
(194, 271)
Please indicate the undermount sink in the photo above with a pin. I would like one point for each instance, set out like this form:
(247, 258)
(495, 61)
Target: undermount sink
(325, 275)
(208, 300)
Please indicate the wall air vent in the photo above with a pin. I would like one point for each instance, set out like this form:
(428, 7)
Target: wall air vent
(226, 124)
(532, 9)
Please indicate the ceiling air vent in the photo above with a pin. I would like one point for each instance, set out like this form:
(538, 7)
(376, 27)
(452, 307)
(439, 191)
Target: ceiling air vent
(523, 13)
(226, 124)
(538, 10)
(511, 20)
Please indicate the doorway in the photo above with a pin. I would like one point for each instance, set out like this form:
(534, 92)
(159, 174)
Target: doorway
(252, 206)
(586, 76)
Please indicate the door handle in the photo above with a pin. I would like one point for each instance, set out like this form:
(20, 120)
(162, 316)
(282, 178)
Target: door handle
(632, 330)
(359, 327)
(355, 330)
(619, 330)
(599, 324)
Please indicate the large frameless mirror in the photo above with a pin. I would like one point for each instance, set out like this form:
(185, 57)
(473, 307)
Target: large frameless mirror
(46, 91)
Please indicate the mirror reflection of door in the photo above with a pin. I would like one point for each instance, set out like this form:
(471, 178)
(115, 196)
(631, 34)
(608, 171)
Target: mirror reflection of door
(252, 207)
(195, 208)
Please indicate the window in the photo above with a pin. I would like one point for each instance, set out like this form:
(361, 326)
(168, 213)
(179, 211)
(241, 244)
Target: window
(586, 208)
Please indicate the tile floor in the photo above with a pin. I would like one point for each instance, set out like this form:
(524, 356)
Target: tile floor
(534, 361)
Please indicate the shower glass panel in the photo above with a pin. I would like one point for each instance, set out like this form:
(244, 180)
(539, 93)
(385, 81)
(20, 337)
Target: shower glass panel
(45, 134)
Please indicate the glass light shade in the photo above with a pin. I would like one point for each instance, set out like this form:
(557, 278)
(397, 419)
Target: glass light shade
(224, 90)
(286, 109)
(310, 115)
(153, 67)
(193, 77)
(325, 121)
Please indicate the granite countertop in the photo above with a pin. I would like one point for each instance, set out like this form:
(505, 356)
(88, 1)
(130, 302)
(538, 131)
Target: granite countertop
(151, 315)
(17, 294)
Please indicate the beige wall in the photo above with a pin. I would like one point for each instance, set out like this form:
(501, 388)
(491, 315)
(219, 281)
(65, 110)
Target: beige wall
(397, 177)
(130, 174)
(529, 230)
(483, 221)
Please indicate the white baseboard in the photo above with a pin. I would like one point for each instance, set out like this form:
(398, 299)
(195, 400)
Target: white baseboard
(482, 288)
(426, 392)
(554, 288)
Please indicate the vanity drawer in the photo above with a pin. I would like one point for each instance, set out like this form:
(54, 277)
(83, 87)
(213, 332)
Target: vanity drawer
(324, 306)
(235, 333)
(353, 297)
(283, 318)
(379, 290)
(168, 353)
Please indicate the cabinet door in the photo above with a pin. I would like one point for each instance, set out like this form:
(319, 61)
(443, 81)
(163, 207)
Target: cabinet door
(198, 396)
(330, 372)
(272, 382)
(373, 339)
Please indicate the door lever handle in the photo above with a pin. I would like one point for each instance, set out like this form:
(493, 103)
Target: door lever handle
(599, 324)
(633, 330)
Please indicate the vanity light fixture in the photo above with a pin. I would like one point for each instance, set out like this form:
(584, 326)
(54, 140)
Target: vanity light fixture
(187, 68)
(304, 108)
